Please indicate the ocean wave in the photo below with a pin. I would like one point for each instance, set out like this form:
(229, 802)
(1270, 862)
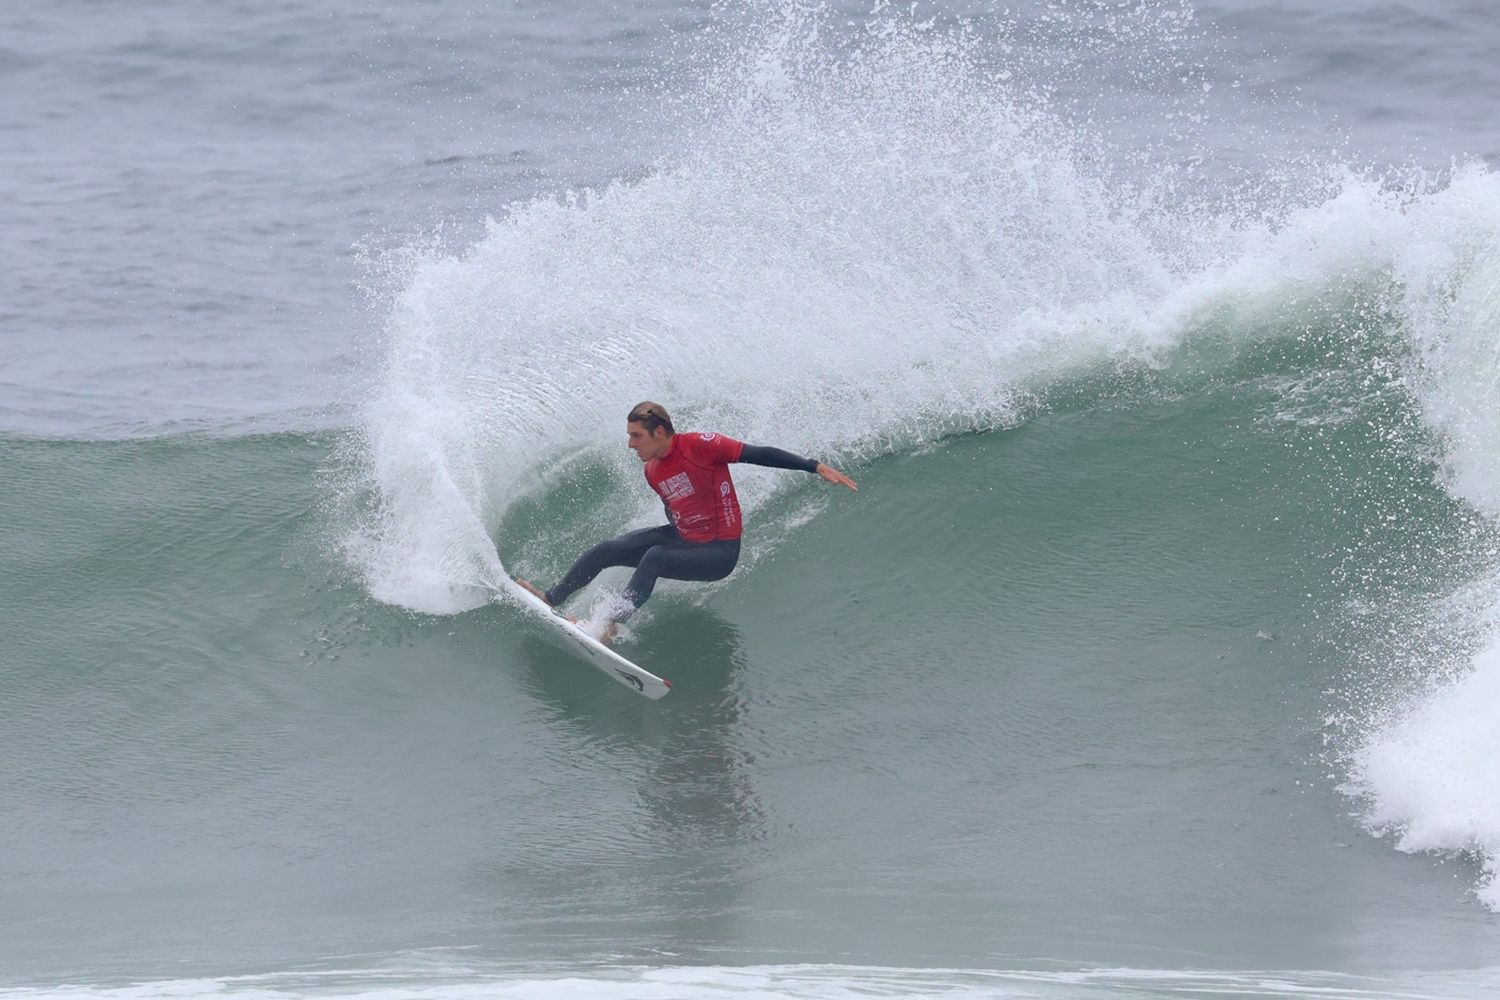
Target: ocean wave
(864, 249)
(861, 254)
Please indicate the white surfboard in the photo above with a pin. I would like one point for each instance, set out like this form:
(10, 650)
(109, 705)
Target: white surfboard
(639, 680)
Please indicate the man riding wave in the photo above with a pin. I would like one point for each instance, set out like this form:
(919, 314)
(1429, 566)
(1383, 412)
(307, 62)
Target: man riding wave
(701, 541)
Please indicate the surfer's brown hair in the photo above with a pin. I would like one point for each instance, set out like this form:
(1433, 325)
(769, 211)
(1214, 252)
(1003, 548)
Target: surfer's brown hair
(650, 416)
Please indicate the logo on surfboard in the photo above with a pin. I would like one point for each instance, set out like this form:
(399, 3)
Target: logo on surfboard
(632, 679)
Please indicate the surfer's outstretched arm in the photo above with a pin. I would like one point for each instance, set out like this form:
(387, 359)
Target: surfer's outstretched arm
(775, 458)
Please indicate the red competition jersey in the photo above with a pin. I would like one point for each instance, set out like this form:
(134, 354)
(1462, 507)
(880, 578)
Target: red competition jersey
(693, 480)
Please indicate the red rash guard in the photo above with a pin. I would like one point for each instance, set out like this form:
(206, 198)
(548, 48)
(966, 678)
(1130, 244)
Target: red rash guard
(693, 481)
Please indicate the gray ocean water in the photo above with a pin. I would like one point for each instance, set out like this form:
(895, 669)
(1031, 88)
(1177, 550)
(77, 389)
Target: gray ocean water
(1155, 656)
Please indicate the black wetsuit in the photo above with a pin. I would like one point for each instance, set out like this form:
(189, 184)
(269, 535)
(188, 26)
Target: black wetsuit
(658, 553)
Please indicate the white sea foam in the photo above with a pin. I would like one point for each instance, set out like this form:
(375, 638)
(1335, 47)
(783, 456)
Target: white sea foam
(1433, 772)
(786, 982)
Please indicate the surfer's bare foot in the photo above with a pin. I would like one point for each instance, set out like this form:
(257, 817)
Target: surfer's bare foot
(610, 632)
(531, 588)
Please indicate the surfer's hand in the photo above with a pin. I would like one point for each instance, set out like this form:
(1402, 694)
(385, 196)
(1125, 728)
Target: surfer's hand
(832, 475)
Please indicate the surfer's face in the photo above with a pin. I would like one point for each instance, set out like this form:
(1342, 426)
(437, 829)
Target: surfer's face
(647, 445)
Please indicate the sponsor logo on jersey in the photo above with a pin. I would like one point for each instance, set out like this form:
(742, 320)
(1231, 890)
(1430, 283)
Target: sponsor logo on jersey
(726, 504)
(676, 488)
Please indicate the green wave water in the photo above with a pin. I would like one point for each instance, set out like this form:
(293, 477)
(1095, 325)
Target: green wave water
(1054, 691)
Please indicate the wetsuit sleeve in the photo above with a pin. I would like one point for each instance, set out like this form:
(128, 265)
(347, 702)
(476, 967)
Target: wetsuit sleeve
(775, 458)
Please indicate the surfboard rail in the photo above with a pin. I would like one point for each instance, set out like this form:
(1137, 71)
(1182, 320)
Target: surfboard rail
(623, 671)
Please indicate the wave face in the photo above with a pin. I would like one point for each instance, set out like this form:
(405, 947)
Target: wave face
(864, 246)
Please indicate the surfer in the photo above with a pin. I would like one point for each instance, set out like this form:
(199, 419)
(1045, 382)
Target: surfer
(701, 539)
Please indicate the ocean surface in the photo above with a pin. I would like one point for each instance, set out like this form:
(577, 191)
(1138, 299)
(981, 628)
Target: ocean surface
(1157, 655)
